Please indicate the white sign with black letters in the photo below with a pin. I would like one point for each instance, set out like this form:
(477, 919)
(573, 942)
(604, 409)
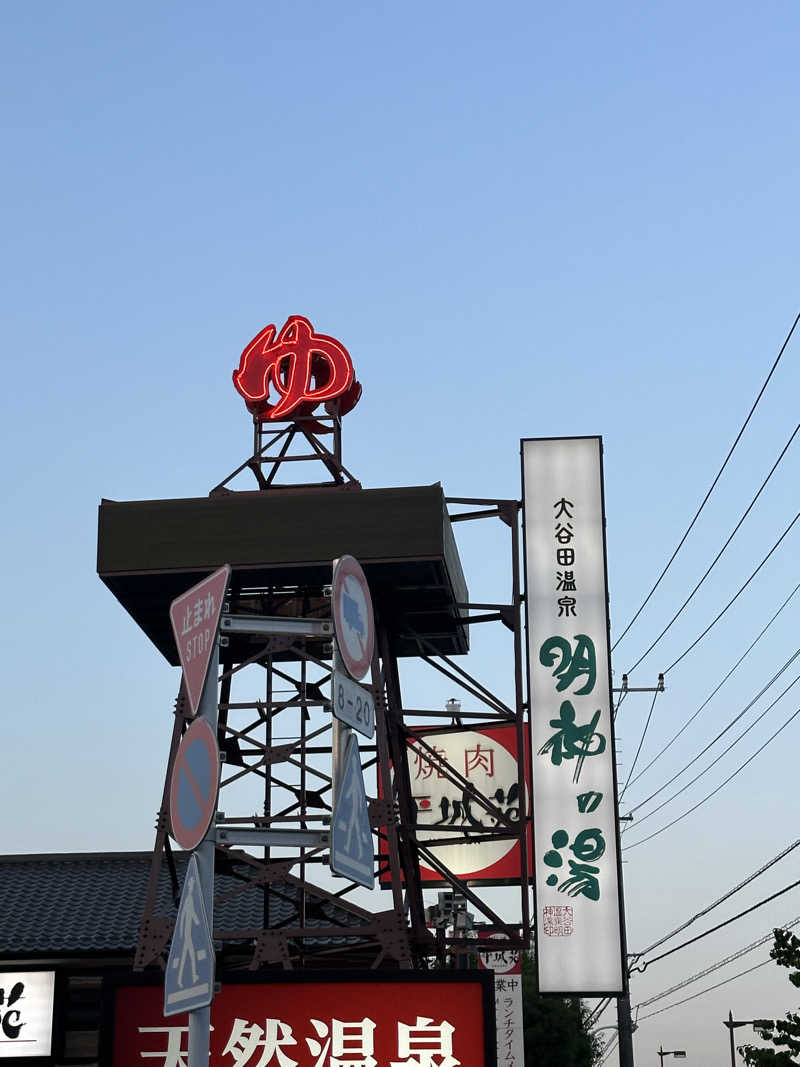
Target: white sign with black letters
(26, 1013)
(507, 967)
(576, 843)
(353, 704)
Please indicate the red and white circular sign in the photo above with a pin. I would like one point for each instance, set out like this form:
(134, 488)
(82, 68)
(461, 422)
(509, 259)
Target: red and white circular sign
(501, 960)
(487, 758)
(194, 785)
(352, 616)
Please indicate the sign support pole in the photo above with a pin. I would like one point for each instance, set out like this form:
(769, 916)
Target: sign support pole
(625, 1029)
(339, 735)
(200, 1019)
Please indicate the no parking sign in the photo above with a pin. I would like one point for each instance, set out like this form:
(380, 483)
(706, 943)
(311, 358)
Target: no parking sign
(194, 784)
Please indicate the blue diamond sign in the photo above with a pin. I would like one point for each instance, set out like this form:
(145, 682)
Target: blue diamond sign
(352, 850)
(189, 980)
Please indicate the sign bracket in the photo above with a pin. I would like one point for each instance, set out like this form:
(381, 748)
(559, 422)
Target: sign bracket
(265, 625)
(243, 835)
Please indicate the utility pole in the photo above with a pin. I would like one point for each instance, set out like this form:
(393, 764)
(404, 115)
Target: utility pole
(731, 1027)
(625, 1025)
(625, 1030)
(760, 1024)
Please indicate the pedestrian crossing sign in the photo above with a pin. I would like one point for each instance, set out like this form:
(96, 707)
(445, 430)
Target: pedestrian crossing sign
(352, 849)
(189, 979)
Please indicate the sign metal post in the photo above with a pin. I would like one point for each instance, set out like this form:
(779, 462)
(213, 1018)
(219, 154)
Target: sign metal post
(351, 851)
(200, 1019)
(199, 609)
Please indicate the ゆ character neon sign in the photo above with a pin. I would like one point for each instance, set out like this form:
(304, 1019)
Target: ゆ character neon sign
(304, 369)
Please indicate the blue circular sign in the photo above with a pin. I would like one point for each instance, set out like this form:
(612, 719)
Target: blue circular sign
(194, 785)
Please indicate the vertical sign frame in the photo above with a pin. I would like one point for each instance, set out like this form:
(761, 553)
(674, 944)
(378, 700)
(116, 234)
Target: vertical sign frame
(579, 909)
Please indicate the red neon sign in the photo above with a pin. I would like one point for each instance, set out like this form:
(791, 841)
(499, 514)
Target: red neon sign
(304, 368)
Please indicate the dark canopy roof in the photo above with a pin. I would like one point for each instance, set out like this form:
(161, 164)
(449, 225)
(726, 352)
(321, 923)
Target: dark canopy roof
(151, 551)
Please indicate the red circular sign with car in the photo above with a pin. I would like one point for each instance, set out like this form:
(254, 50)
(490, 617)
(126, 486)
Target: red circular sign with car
(352, 616)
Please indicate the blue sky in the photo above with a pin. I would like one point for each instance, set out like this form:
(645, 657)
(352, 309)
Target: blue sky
(527, 221)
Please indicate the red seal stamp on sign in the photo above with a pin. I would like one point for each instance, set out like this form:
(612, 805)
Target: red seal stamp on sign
(557, 920)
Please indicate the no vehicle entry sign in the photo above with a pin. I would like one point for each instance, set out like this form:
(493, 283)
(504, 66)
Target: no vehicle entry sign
(352, 616)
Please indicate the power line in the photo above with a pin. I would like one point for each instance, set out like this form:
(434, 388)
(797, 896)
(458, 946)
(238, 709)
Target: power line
(641, 742)
(619, 702)
(720, 926)
(716, 966)
(722, 754)
(719, 787)
(597, 1011)
(733, 599)
(612, 1046)
(719, 554)
(716, 689)
(713, 484)
(719, 736)
(721, 900)
(708, 989)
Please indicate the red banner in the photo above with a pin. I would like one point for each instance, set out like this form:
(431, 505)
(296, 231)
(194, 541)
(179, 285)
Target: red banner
(311, 1023)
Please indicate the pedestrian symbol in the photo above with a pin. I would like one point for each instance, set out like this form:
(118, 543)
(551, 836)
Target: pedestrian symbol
(189, 981)
(352, 850)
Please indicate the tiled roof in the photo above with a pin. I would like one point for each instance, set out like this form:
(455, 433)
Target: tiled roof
(92, 902)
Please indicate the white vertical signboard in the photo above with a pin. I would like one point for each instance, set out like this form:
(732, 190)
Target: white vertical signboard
(576, 840)
(507, 967)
